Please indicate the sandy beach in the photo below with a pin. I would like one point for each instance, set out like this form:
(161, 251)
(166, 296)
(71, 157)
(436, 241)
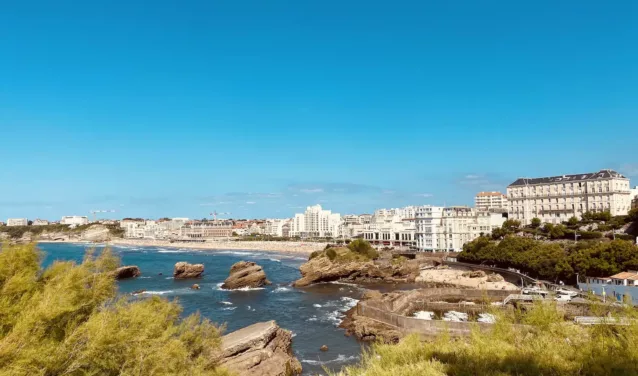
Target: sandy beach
(301, 248)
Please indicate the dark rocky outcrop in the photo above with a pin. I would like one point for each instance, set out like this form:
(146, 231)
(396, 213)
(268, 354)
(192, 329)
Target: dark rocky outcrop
(245, 274)
(259, 349)
(129, 271)
(185, 270)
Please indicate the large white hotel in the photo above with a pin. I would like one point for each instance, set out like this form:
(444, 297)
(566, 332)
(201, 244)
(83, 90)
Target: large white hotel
(556, 199)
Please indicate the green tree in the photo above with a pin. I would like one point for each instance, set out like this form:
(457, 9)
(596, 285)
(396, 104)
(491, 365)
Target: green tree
(573, 221)
(633, 215)
(536, 222)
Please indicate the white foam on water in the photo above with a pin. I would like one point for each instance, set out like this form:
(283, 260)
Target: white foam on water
(293, 334)
(317, 305)
(229, 308)
(158, 292)
(145, 277)
(280, 289)
(340, 359)
(169, 251)
(250, 309)
(275, 260)
(226, 303)
(313, 318)
(247, 289)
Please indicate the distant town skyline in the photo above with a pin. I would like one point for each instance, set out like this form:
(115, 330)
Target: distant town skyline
(262, 109)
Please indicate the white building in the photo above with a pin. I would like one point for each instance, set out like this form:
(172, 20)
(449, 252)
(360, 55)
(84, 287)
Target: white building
(40, 222)
(276, 227)
(484, 201)
(392, 227)
(17, 222)
(76, 220)
(558, 198)
(316, 222)
(440, 229)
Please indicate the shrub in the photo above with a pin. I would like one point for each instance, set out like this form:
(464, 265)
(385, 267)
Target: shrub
(590, 235)
(536, 223)
(331, 253)
(67, 320)
(315, 254)
(364, 248)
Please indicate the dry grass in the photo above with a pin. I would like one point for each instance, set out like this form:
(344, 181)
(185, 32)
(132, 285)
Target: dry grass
(547, 346)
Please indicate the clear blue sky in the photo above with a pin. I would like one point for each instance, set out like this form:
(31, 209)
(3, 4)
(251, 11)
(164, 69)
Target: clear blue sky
(259, 108)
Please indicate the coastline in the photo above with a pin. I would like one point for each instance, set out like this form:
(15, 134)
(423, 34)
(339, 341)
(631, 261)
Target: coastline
(296, 248)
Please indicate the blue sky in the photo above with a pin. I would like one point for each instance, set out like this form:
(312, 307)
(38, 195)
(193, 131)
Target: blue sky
(260, 108)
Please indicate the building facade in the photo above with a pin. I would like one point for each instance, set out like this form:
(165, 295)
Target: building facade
(558, 198)
(277, 227)
(447, 229)
(391, 227)
(316, 222)
(206, 230)
(485, 201)
(76, 220)
(17, 222)
(40, 222)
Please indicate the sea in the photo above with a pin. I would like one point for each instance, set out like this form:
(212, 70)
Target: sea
(312, 314)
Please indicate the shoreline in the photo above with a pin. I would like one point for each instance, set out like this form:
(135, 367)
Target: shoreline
(293, 248)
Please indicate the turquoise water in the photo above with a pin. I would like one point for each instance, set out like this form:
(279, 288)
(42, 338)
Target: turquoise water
(312, 313)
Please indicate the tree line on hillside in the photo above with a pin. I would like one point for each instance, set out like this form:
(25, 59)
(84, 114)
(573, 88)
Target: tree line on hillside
(591, 256)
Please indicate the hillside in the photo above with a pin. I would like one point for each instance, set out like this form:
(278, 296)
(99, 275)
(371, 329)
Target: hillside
(89, 232)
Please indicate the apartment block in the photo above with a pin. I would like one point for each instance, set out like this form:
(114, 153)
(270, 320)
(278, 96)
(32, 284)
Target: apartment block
(485, 201)
(392, 227)
(556, 199)
(76, 220)
(316, 222)
(447, 229)
(17, 222)
(40, 222)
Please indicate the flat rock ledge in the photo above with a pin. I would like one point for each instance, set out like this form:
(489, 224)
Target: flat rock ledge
(184, 270)
(259, 349)
(245, 274)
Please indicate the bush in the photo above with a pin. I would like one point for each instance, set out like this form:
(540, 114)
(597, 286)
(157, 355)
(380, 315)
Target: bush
(67, 320)
(590, 235)
(331, 253)
(364, 248)
(315, 254)
(546, 346)
(536, 223)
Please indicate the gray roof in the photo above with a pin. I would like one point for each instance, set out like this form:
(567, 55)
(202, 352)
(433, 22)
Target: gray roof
(602, 174)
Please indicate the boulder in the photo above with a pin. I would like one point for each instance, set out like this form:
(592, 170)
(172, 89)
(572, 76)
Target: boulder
(474, 274)
(185, 270)
(495, 278)
(195, 287)
(245, 274)
(324, 348)
(259, 349)
(130, 271)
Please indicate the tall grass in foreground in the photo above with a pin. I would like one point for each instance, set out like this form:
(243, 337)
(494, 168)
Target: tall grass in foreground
(67, 320)
(546, 345)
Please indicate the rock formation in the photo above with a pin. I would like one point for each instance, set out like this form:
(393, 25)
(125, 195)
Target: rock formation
(367, 329)
(322, 269)
(130, 271)
(259, 349)
(195, 287)
(245, 274)
(185, 270)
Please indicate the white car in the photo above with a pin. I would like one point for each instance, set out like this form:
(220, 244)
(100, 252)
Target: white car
(563, 291)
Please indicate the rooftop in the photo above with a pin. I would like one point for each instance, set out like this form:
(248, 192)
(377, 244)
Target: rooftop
(602, 174)
(630, 275)
(490, 194)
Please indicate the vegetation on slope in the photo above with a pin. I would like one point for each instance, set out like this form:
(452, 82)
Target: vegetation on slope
(67, 320)
(357, 250)
(16, 232)
(593, 255)
(545, 346)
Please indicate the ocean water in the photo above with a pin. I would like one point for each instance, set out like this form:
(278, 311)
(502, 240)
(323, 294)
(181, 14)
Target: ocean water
(312, 313)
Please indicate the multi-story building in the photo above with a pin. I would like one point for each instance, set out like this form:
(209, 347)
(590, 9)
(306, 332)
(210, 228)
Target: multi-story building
(391, 227)
(316, 222)
(275, 227)
(17, 222)
(447, 229)
(556, 199)
(634, 196)
(76, 220)
(40, 222)
(206, 230)
(484, 201)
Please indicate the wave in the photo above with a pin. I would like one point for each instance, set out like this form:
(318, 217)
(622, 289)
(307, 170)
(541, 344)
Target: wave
(275, 260)
(144, 277)
(170, 251)
(281, 289)
(313, 318)
(226, 303)
(340, 359)
(219, 287)
(158, 292)
(229, 308)
(317, 305)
